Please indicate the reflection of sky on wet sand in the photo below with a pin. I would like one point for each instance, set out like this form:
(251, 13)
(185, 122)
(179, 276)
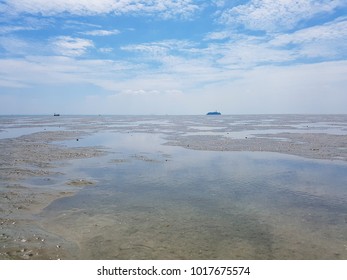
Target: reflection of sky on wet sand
(155, 201)
(151, 200)
(17, 132)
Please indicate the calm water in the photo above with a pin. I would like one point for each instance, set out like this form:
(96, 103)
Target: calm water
(153, 201)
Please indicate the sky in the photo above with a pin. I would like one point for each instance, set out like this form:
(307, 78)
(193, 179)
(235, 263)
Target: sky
(163, 57)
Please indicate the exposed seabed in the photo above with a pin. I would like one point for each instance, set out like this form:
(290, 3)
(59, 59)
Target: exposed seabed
(173, 187)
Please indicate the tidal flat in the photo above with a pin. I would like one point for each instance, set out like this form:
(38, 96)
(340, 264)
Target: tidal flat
(173, 187)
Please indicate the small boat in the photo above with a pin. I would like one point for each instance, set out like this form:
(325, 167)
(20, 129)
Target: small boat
(56, 115)
(213, 113)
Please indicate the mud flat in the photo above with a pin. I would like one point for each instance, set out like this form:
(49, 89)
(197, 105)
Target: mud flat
(309, 145)
(34, 174)
(21, 160)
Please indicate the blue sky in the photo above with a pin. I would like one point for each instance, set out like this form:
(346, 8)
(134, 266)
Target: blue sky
(173, 56)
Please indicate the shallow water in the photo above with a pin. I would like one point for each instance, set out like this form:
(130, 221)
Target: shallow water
(153, 201)
(148, 200)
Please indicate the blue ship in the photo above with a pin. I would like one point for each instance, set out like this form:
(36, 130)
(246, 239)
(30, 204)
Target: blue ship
(213, 113)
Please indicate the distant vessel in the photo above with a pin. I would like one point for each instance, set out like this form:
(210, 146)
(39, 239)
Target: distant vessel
(213, 113)
(56, 115)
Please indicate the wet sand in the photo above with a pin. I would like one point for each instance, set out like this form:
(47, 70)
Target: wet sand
(309, 145)
(37, 155)
(24, 158)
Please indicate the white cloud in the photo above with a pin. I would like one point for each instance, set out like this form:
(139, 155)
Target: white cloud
(69, 46)
(219, 3)
(65, 70)
(329, 31)
(218, 35)
(161, 46)
(324, 41)
(100, 32)
(139, 101)
(17, 46)
(163, 8)
(250, 53)
(75, 24)
(79, 7)
(162, 52)
(8, 25)
(215, 60)
(106, 50)
(14, 28)
(272, 15)
(140, 92)
(313, 88)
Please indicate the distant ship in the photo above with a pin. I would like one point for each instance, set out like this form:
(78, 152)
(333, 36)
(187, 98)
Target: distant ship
(213, 113)
(56, 115)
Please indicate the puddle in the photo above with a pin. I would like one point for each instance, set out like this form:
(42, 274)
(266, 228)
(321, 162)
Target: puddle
(159, 202)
